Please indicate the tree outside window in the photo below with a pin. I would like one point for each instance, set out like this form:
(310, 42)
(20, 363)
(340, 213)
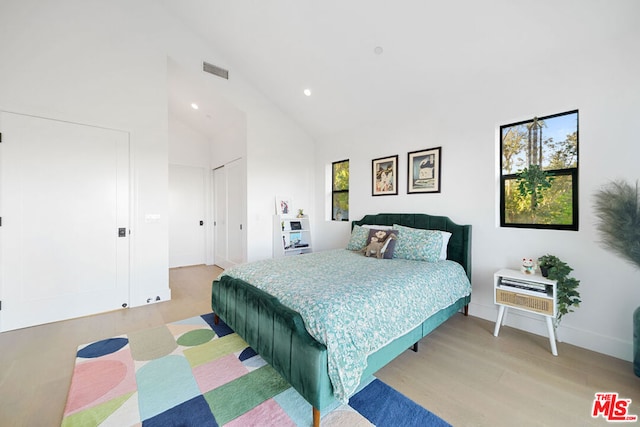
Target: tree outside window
(539, 173)
(340, 190)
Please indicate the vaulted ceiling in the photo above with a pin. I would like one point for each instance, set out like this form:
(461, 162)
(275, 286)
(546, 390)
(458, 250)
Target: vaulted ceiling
(372, 60)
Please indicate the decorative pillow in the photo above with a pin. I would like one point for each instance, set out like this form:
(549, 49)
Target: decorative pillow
(358, 240)
(382, 240)
(420, 245)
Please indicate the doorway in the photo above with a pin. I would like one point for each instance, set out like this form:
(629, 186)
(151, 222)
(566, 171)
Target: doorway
(187, 235)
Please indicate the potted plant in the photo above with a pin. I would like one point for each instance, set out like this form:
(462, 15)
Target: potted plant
(617, 207)
(545, 262)
(567, 287)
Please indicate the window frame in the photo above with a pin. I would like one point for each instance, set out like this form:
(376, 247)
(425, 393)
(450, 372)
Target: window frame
(571, 171)
(334, 191)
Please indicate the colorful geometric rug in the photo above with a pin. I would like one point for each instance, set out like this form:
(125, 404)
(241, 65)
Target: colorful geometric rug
(195, 373)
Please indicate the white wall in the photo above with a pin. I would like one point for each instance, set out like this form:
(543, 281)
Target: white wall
(102, 64)
(600, 81)
(187, 147)
(280, 163)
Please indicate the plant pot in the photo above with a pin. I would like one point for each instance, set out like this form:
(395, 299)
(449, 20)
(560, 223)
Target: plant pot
(544, 271)
(636, 341)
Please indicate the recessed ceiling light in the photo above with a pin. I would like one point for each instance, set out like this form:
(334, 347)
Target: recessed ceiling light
(194, 106)
(307, 92)
(378, 50)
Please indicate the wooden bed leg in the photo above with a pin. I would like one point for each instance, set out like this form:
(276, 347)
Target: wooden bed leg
(216, 319)
(466, 310)
(316, 417)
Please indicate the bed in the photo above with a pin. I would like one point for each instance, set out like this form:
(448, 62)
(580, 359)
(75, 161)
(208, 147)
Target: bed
(272, 317)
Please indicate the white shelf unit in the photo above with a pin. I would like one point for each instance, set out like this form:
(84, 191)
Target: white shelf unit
(527, 292)
(291, 239)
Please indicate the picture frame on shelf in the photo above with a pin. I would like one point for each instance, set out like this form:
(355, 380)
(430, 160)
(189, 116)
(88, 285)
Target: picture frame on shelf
(295, 225)
(384, 176)
(284, 206)
(295, 239)
(424, 171)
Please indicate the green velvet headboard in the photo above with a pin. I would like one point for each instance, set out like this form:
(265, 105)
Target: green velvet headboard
(459, 249)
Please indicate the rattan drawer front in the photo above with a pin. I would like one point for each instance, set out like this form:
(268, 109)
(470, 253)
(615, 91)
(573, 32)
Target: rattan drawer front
(527, 302)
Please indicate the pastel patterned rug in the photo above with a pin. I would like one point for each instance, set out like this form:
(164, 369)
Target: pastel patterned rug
(195, 373)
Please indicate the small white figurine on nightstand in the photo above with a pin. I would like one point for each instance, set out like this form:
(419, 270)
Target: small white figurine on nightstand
(528, 266)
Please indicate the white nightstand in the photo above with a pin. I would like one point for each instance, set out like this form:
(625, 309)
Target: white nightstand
(527, 292)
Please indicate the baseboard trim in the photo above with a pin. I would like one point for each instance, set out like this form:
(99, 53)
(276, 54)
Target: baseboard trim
(569, 334)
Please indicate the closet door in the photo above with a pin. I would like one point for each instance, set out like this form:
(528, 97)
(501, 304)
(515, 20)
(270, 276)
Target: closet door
(220, 217)
(64, 202)
(236, 211)
(230, 214)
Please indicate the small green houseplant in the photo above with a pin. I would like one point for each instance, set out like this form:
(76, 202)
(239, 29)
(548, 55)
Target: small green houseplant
(532, 182)
(617, 207)
(545, 262)
(567, 287)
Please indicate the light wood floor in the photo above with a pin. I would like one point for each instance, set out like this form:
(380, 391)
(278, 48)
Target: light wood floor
(461, 373)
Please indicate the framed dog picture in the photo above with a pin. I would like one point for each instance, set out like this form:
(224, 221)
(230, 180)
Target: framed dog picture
(424, 171)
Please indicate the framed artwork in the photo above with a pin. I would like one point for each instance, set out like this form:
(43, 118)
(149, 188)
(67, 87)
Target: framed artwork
(283, 206)
(384, 176)
(295, 239)
(424, 171)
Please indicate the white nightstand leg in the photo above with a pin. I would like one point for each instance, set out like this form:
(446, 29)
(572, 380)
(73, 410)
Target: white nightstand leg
(552, 336)
(501, 312)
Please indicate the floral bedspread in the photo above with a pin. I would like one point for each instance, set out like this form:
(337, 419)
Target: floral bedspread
(355, 305)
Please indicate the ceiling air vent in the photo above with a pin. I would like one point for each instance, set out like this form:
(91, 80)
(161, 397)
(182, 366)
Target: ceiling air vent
(215, 70)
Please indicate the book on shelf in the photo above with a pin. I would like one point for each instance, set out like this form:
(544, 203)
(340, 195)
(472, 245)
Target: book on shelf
(526, 288)
(523, 283)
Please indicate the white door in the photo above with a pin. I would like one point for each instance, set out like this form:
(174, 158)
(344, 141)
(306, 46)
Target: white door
(236, 211)
(186, 216)
(220, 217)
(230, 214)
(64, 203)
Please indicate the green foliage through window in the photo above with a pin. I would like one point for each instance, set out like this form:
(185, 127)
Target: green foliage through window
(539, 173)
(340, 190)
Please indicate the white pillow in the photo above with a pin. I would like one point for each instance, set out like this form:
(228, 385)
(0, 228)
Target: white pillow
(378, 227)
(445, 242)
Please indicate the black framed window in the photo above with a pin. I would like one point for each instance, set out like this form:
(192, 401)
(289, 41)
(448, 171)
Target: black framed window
(340, 190)
(539, 173)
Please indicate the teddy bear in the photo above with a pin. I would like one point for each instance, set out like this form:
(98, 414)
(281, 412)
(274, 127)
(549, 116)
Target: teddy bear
(528, 266)
(377, 243)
